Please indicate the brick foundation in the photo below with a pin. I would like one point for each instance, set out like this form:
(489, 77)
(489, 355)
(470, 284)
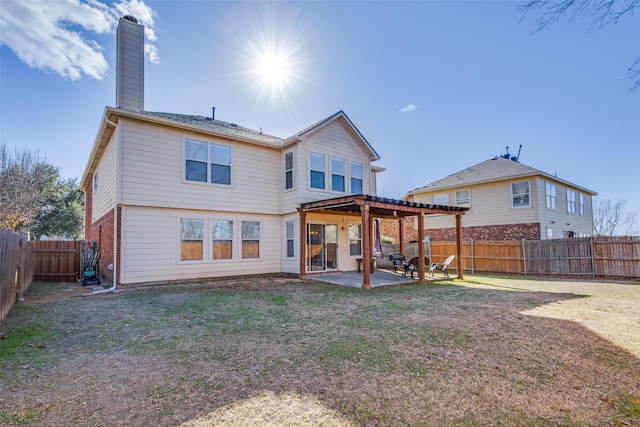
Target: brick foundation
(530, 231)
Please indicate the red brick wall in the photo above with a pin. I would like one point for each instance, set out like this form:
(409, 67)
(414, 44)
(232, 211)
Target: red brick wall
(102, 231)
(529, 231)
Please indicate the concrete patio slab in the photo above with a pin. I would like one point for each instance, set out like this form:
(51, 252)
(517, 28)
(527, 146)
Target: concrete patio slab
(353, 279)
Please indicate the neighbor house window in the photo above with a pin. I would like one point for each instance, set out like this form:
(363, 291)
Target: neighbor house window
(549, 233)
(355, 240)
(463, 198)
(440, 199)
(550, 190)
(290, 241)
(288, 171)
(206, 162)
(355, 172)
(581, 204)
(95, 181)
(192, 239)
(571, 201)
(338, 171)
(316, 170)
(222, 237)
(520, 194)
(250, 239)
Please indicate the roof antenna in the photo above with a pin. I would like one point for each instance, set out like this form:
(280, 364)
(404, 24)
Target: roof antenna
(517, 158)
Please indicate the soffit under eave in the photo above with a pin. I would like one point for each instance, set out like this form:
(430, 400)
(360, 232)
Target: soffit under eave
(105, 133)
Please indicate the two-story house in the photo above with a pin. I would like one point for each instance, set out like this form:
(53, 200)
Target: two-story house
(174, 197)
(507, 200)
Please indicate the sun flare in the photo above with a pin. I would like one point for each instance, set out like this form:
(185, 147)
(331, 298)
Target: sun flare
(274, 69)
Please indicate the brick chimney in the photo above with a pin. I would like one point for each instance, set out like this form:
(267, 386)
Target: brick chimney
(130, 65)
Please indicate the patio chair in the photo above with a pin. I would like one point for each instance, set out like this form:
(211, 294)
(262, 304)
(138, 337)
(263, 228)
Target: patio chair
(442, 266)
(412, 265)
(397, 259)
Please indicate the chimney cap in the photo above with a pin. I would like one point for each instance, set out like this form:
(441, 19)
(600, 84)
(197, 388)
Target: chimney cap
(130, 18)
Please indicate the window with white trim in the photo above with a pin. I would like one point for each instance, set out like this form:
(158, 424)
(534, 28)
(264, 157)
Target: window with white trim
(356, 174)
(463, 198)
(191, 239)
(338, 172)
(355, 240)
(520, 194)
(316, 171)
(549, 233)
(222, 239)
(290, 239)
(95, 181)
(571, 201)
(288, 170)
(440, 199)
(581, 196)
(550, 191)
(207, 162)
(250, 239)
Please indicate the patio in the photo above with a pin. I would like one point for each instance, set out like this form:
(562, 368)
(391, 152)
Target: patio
(353, 279)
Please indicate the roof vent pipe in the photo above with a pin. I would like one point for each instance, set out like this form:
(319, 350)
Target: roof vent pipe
(213, 113)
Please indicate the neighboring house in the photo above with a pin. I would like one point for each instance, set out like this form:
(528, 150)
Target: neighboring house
(507, 200)
(174, 197)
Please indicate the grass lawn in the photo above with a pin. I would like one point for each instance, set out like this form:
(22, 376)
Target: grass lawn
(277, 351)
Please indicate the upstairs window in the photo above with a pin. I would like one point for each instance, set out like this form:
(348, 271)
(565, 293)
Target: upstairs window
(95, 181)
(288, 170)
(338, 171)
(316, 170)
(463, 198)
(207, 162)
(571, 201)
(192, 239)
(222, 236)
(520, 194)
(550, 190)
(581, 204)
(440, 199)
(355, 171)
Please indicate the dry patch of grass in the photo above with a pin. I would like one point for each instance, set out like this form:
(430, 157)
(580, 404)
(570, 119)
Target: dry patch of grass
(273, 351)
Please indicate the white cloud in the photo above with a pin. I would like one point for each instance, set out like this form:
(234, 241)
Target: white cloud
(409, 107)
(52, 35)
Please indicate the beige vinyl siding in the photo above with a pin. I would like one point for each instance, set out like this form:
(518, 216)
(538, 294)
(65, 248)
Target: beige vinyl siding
(558, 219)
(491, 204)
(373, 184)
(104, 198)
(153, 173)
(333, 141)
(290, 197)
(150, 248)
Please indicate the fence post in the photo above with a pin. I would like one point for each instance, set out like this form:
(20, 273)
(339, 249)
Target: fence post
(593, 259)
(524, 259)
(473, 265)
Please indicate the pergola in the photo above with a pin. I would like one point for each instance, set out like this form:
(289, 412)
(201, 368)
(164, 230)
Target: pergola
(370, 207)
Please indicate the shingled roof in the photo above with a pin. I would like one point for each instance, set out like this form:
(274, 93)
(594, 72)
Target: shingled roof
(208, 123)
(496, 169)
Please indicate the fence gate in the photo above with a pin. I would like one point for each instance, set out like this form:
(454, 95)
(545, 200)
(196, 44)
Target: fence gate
(57, 260)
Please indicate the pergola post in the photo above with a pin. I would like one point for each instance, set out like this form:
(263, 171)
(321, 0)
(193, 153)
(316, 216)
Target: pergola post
(366, 247)
(459, 245)
(303, 244)
(421, 247)
(401, 235)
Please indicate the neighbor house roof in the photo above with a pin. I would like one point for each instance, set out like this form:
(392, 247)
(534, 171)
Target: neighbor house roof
(492, 170)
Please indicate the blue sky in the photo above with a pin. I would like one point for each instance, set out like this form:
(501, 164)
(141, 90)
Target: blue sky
(434, 86)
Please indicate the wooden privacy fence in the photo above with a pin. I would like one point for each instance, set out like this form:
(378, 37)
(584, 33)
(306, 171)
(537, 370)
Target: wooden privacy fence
(585, 256)
(57, 260)
(16, 269)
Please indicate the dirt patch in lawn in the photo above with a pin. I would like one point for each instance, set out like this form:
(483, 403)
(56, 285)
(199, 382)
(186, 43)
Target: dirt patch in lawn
(279, 351)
